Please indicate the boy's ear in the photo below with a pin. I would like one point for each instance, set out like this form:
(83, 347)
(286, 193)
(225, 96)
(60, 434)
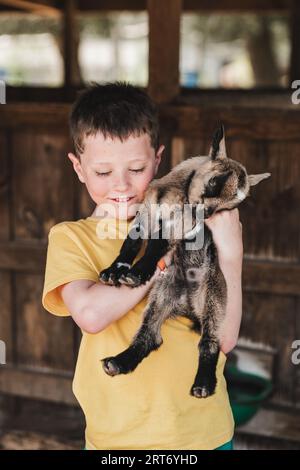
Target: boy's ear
(158, 157)
(77, 166)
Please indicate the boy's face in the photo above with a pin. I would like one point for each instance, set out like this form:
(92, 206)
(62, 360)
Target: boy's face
(113, 169)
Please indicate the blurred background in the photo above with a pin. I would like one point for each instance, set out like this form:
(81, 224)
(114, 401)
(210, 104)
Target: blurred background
(203, 62)
(241, 50)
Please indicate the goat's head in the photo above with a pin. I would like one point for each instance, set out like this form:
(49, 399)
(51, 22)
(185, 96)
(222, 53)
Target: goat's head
(223, 182)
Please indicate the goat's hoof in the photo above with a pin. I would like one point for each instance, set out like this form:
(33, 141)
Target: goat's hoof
(110, 366)
(108, 277)
(132, 280)
(104, 276)
(127, 282)
(201, 391)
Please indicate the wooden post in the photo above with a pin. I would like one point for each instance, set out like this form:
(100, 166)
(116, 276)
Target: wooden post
(295, 41)
(164, 41)
(70, 42)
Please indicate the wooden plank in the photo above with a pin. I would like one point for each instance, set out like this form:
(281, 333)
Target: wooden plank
(275, 424)
(258, 275)
(268, 214)
(25, 116)
(6, 308)
(273, 277)
(43, 183)
(42, 340)
(240, 122)
(260, 98)
(270, 319)
(235, 5)
(205, 6)
(40, 94)
(5, 187)
(295, 41)
(37, 384)
(185, 121)
(164, 39)
(23, 257)
(71, 43)
(26, 440)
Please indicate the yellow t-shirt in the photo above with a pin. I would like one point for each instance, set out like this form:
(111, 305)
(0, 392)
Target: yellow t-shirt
(149, 408)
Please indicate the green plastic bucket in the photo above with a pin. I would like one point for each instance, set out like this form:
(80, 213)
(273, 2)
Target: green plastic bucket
(247, 392)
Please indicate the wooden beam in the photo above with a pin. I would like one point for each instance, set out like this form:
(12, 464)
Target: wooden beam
(32, 7)
(271, 277)
(204, 6)
(234, 5)
(21, 257)
(71, 41)
(241, 122)
(295, 41)
(181, 120)
(282, 425)
(164, 43)
(196, 121)
(52, 116)
(37, 384)
(258, 276)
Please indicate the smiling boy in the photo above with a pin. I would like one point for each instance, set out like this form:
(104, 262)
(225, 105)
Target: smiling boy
(117, 153)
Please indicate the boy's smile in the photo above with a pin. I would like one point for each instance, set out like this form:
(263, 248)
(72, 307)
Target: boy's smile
(117, 173)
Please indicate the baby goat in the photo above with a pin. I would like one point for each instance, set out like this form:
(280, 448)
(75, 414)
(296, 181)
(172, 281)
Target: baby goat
(193, 285)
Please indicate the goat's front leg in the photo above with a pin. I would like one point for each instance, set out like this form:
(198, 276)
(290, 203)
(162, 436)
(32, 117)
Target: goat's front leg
(209, 349)
(113, 275)
(144, 269)
(147, 339)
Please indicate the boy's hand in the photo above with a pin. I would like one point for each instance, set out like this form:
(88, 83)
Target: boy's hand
(227, 234)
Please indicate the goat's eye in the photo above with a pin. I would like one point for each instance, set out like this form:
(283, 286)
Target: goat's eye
(212, 183)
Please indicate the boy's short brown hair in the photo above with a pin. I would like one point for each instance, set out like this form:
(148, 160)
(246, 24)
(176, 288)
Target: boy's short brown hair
(116, 110)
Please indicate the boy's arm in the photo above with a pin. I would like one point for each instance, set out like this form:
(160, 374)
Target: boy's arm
(94, 306)
(227, 234)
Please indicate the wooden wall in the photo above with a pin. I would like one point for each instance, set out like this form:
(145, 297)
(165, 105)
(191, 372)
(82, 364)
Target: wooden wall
(39, 189)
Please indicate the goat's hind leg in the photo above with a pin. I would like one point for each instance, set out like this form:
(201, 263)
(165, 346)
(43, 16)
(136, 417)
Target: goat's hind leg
(209, 349)
(147, 339)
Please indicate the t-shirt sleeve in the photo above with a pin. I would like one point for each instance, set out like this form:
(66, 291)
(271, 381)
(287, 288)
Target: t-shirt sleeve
(65, 262)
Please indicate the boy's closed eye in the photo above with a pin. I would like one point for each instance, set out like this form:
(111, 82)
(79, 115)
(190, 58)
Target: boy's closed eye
(139, 170)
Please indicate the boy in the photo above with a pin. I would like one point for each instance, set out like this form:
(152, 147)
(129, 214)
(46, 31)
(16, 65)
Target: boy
(115, 133)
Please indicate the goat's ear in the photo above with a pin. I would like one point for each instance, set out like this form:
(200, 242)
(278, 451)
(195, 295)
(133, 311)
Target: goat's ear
(218, 147)
(255, 179)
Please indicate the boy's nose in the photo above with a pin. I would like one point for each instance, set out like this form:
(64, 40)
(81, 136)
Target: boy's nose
(121, 183)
